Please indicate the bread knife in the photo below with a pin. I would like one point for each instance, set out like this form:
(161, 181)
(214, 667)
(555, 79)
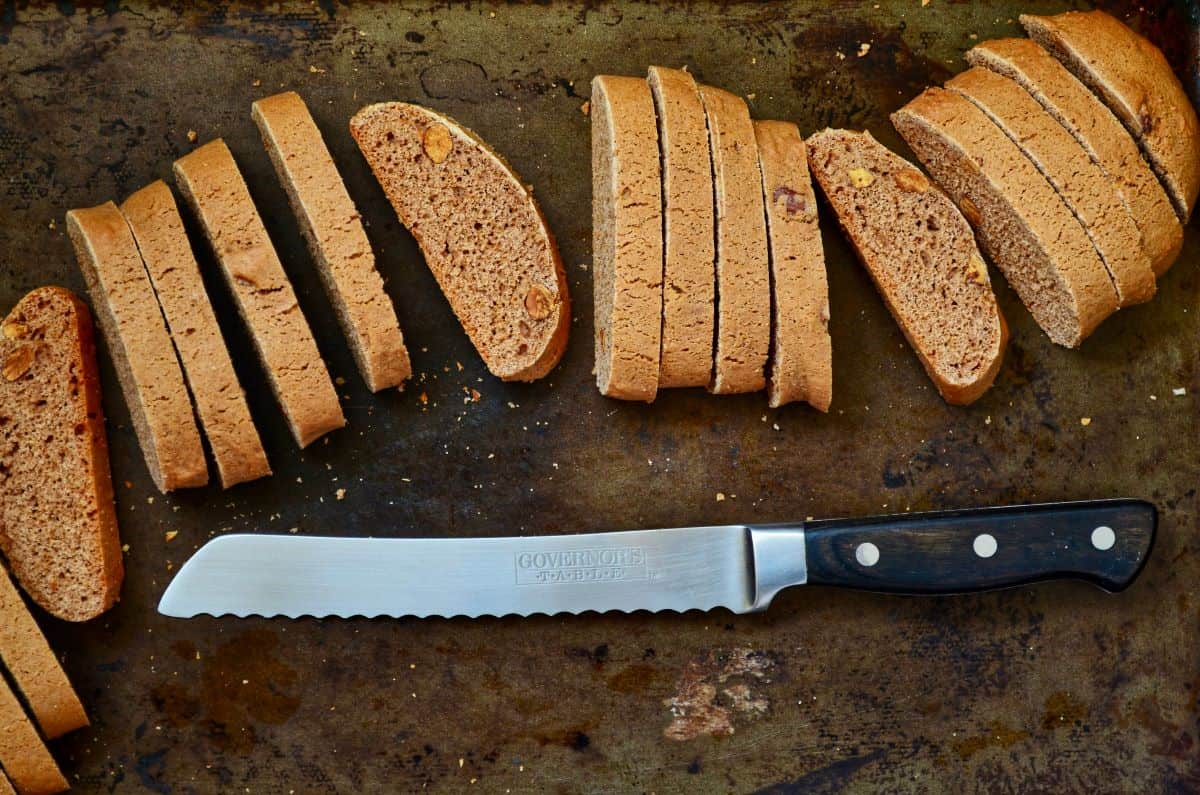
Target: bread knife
(739, 567)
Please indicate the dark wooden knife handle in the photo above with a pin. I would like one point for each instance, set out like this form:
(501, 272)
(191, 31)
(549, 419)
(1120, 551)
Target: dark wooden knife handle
(1104, 542)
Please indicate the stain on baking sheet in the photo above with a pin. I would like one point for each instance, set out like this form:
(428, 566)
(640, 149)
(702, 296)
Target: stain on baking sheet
(1055, 688)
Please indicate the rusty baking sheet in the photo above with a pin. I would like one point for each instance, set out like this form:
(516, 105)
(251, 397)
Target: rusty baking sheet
(1056, 688)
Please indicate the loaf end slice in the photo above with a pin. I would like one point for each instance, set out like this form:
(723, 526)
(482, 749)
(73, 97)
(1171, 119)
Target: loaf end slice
(1084, 186)
(34, 668)
(26, 761)
(220, 402)
(1098, 131)
(922, 256)
(58, 525)
(334, 232)
(1135, 79)
(213, 186)
(137, 337)
(483, 235)
(1021, 221)
(688, 231)
(743, 267)
(627, 249)
(801, 366)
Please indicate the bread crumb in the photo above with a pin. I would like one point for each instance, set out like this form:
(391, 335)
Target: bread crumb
(52, 223)
(170, 535)
(586, 108)
(1085, 421)
(863, 49)
(256, 83)
(1179, 391)
(424, 398)
(191, 136)
(341, 494)
(339, 381)
(316, 70)
(720, 496)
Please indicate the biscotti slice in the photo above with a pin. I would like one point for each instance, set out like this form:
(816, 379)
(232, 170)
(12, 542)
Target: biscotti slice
(213, 186)
(58, 525)
(34, 668)
(140, 344)
(26, 761)
(154, 218)
(801, 359)
(483, 235)
(627, 248)
(1134, 78)
(334, 232)
(688, 228)
(1099, 132)
(1082, 184)
(921, 255)
(1021, 221)
(743, 268)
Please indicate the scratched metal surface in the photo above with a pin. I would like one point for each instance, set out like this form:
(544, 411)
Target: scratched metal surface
(1053, 688)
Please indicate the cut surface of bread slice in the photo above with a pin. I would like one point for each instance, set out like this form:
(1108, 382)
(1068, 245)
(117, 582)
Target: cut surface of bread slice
(26, 761)
(922, 256)
(33, 666)
(1021, 221)
(1095, 127)
(1134, 78)
(334, 232)
(743, 268)
(801, 358)
(627, 249)
(137, 336)
(1082, 184)
(213, 186)
(220, 402)
(58, 525)
(6, 787)
(688, 228)
(483, 235)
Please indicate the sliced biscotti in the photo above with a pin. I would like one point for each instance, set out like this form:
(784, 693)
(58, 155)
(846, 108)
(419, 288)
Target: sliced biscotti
(58, 526)
(220, 402)
(922, 256)
(1082, 184)
(743, 268)
(213, 186)
(24, 757)
(688, 228)
(627, 247)
(482, 233)
(140, 344)
(34, 668)
(1134, 78)
(1022, 223)
(801, 360)
(334, 232)
(1095, 127)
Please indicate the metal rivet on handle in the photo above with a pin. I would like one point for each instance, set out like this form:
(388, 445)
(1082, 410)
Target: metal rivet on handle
(985, 545)
(867, 554)
(1103, 538)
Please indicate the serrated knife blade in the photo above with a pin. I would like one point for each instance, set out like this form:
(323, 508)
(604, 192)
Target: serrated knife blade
(738, 567)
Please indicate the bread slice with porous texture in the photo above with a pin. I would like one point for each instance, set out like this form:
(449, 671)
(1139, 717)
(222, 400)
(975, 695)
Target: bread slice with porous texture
(1098, 131)
(1021, 221)
(627, 249)
(220, 402)
(801, 360)
(743, 267)
(334, 232)
(922, 256)
(34, 668)
(26, 761)
(1134, 78)
(137, 336)
(58, 525)
(483, 235)
(1082, 184)
(213, 186)
(688, 227)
